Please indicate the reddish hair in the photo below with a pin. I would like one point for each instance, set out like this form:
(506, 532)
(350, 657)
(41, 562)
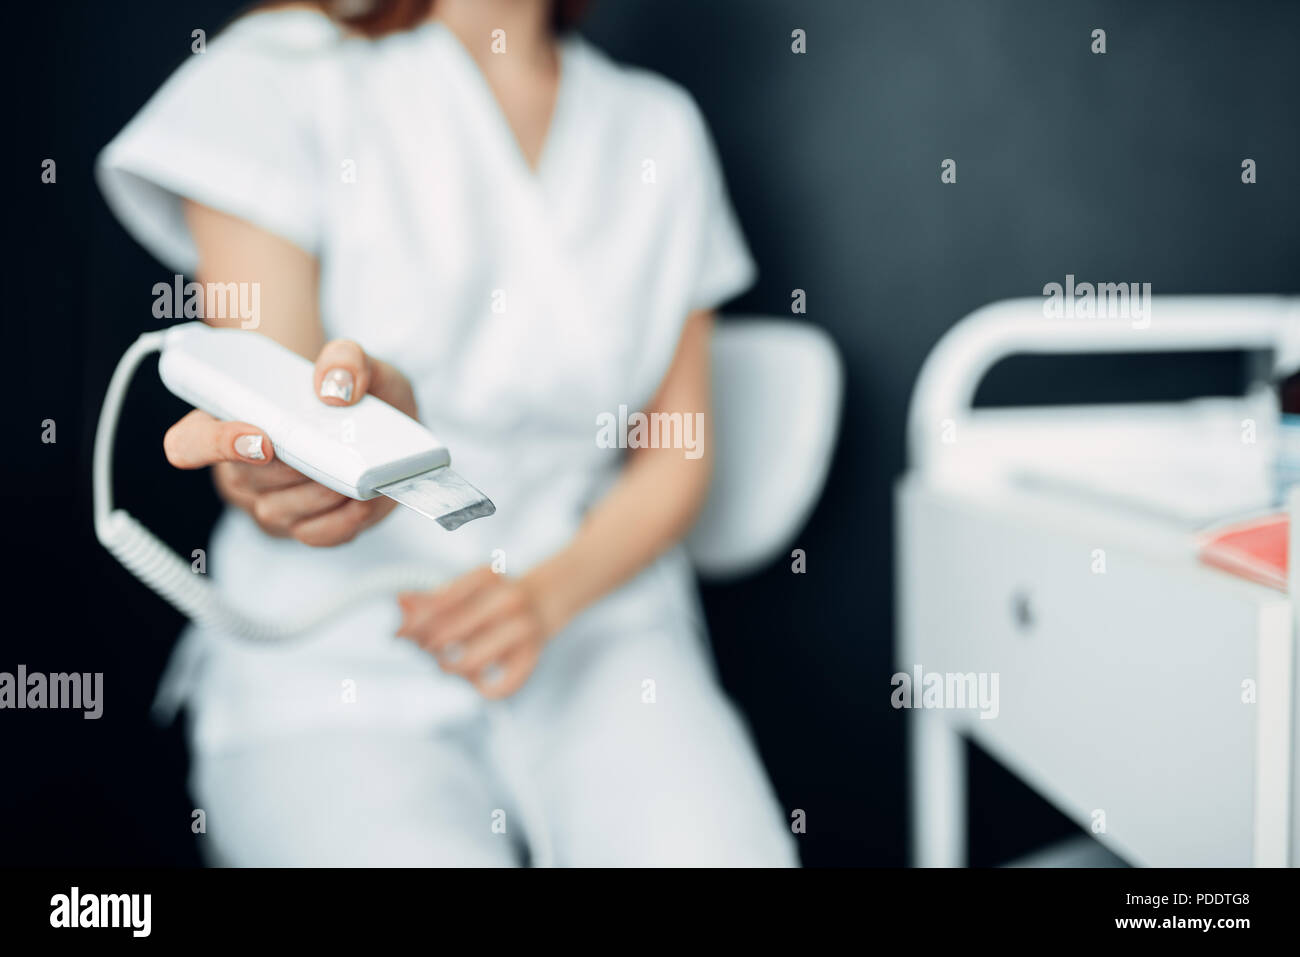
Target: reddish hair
(375, 18)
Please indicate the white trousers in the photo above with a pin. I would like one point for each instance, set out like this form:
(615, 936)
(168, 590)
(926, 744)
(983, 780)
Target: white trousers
(619, 752)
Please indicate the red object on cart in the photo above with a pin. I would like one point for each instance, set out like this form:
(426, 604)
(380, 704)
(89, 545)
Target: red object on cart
(1254, 548)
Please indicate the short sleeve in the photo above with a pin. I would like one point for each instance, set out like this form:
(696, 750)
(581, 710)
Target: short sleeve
(230, 129)
(724, 268)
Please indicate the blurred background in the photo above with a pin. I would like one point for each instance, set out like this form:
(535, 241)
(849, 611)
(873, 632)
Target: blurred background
(1120, 167)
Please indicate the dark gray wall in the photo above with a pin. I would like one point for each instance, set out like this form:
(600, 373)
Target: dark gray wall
(1116, 167)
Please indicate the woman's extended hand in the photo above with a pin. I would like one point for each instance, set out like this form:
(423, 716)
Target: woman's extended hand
(283, 501)
(485, 627)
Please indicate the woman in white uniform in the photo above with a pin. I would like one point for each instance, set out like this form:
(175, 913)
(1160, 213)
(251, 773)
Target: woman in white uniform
(478, 217)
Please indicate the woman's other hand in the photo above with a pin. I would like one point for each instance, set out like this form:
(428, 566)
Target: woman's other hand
(491, 629)
(284, 502)
(487, 628)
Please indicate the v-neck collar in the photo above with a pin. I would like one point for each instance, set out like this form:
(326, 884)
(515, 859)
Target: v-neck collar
(566, 50)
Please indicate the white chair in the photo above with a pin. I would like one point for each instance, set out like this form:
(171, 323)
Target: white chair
(777, 391)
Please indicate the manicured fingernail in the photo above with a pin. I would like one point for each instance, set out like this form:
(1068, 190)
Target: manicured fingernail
(452, 654)
(337, 384)
(492, 674)
(250, 447)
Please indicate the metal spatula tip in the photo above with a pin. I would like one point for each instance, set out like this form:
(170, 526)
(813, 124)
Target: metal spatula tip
(455, 520)
(442, 495)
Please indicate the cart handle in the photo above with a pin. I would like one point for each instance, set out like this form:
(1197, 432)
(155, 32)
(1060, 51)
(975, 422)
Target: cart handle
(945, 388)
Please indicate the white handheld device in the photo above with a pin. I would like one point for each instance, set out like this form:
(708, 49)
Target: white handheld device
(363, 450)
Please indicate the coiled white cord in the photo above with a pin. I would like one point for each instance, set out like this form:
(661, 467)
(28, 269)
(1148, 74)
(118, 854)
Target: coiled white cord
(158, 566)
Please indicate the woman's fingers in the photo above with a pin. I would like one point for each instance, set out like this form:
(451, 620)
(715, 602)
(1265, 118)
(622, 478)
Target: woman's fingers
(503, 678)
(342, 374)
(425, 610)
(464, 587)
(474, 616)
(198, 440)
(302, 509)
(489, 645)
(483, 627)
(235, 479)
(338, 525)
(285, 508)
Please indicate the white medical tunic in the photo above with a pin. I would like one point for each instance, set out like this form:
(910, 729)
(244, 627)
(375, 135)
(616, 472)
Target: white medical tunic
(521, 304)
